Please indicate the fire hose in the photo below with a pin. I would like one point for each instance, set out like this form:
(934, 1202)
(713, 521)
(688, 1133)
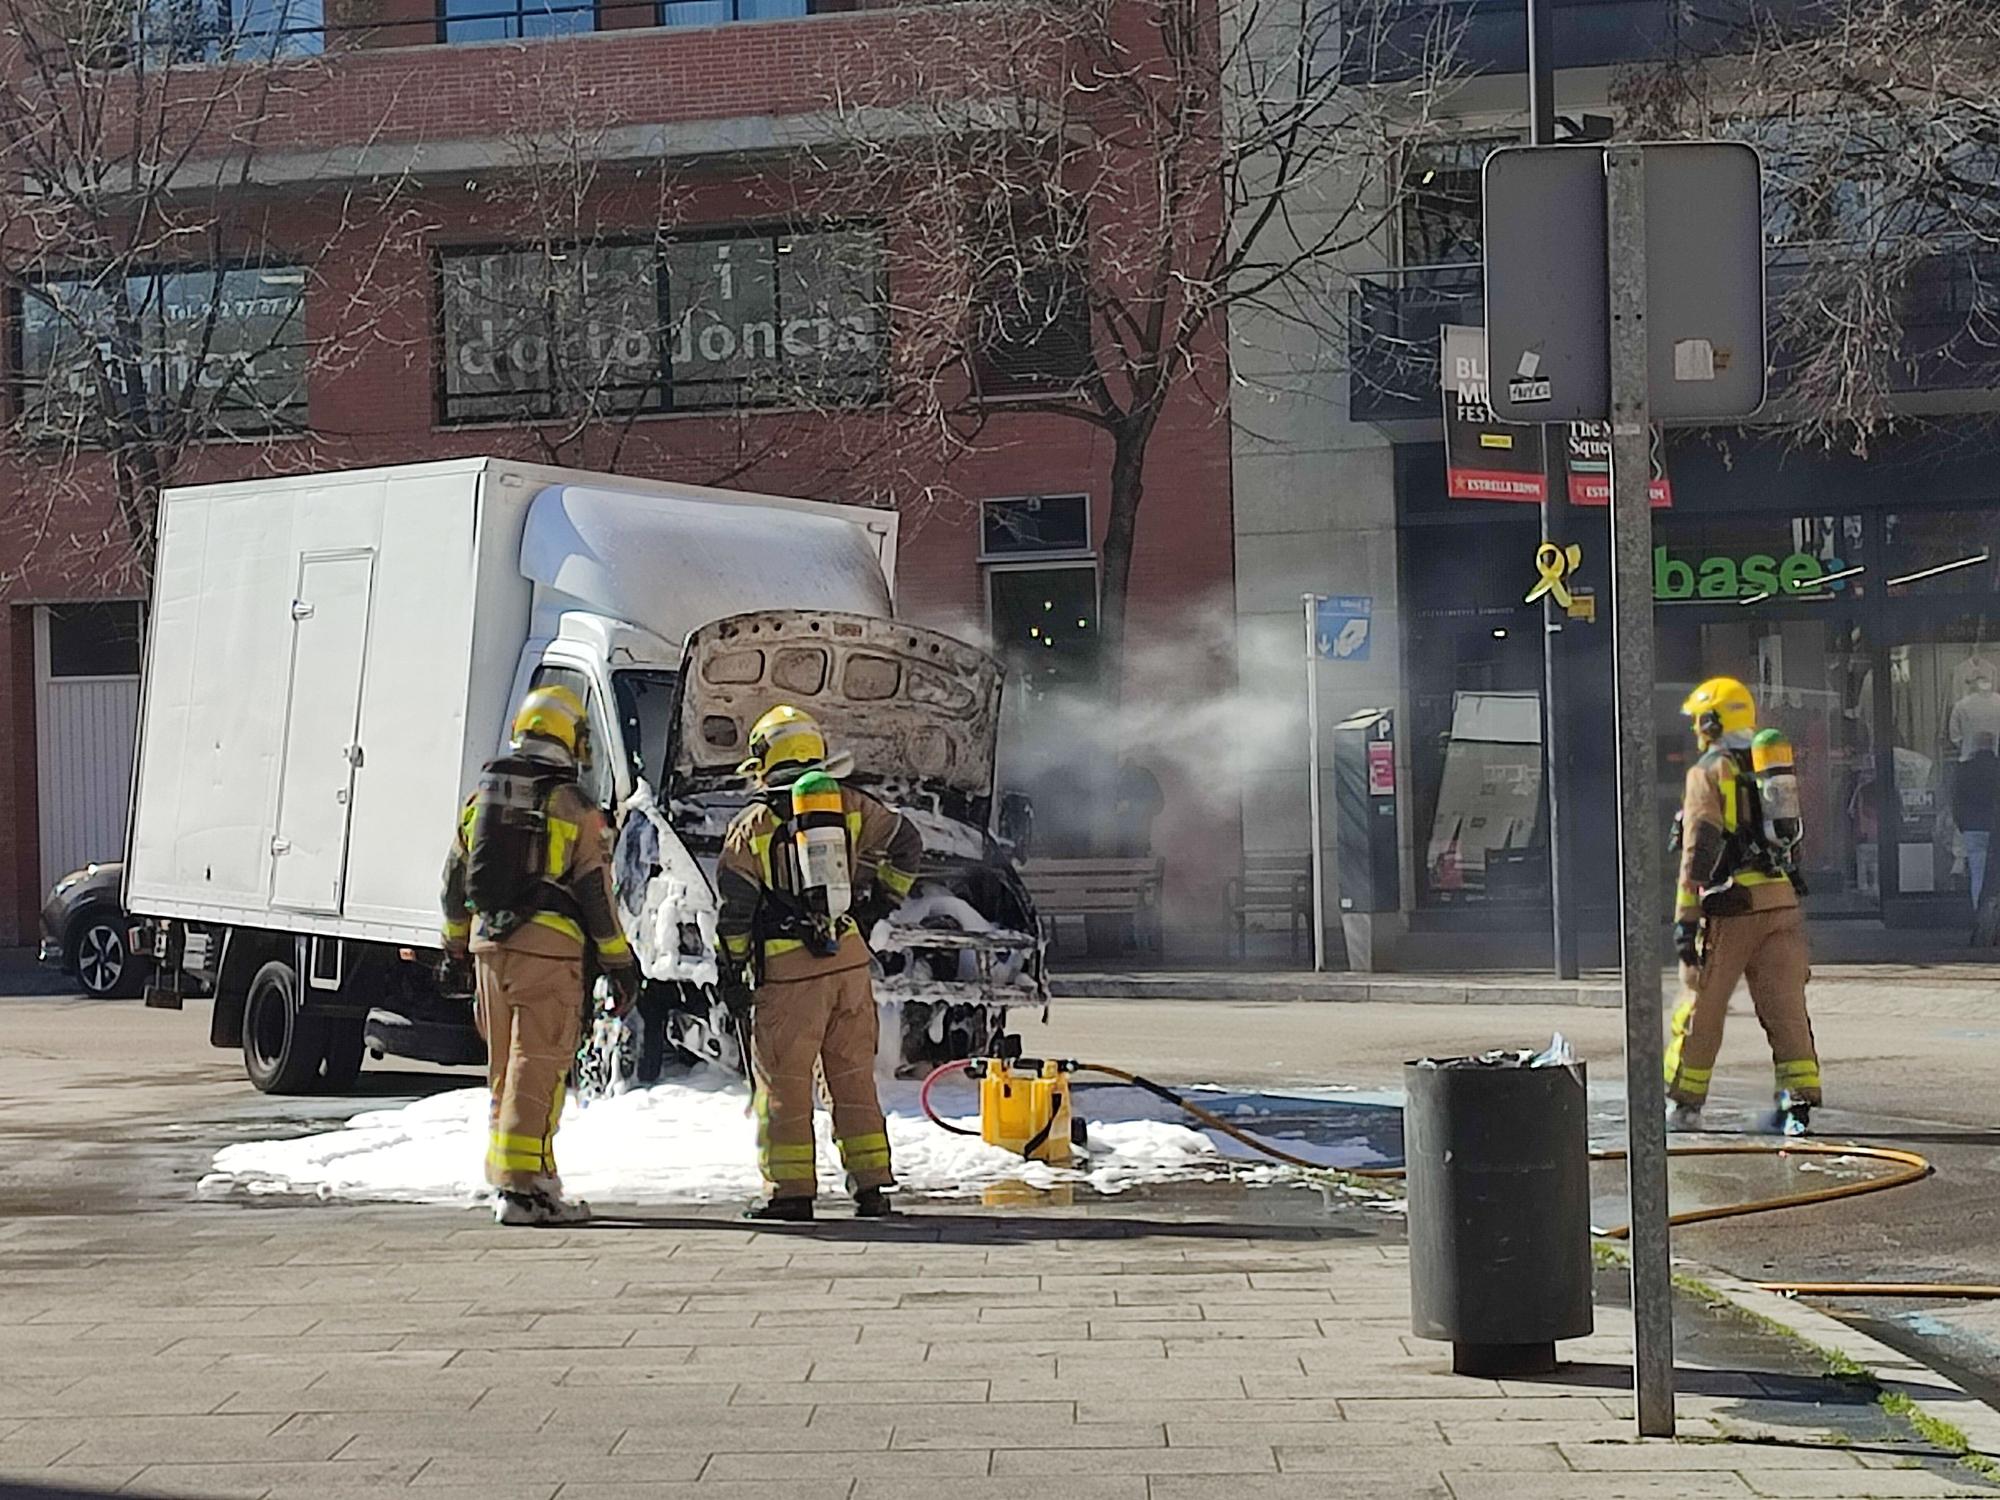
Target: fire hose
(1911, 1167)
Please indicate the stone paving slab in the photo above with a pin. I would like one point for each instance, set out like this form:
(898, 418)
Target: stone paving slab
(1128, 1359)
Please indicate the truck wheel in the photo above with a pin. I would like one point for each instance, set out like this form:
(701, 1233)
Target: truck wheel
(283, 1044)
(343, 1053)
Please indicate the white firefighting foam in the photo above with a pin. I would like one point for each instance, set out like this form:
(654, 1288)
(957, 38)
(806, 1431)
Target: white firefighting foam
(691, 1141)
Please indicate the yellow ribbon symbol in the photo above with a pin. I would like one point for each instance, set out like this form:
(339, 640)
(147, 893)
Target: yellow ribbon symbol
(1554, 563)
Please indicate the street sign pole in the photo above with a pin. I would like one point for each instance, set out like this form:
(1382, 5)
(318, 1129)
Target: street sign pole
(1639, 838)
(1557, 731)
(1312, 775)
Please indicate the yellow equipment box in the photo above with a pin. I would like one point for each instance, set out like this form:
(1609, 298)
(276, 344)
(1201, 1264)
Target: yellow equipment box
(1024, 1107)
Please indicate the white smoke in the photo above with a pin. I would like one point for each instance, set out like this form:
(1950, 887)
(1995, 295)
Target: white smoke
(1200, 710)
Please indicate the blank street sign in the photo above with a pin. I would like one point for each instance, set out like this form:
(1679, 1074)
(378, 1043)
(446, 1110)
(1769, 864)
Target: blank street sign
(1547, 339)
(1547, 285)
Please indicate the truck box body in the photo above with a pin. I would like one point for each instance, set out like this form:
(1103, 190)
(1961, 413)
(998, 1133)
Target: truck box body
(332, 657)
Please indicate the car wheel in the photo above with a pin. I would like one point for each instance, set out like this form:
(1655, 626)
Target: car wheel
(104, 965)
(283, 1045)
(344, 1051)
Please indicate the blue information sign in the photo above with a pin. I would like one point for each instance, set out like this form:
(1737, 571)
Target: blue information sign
(1341, 627)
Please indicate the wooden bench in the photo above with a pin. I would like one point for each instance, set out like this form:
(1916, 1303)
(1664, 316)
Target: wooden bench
(1272, 883)
(1109, 887)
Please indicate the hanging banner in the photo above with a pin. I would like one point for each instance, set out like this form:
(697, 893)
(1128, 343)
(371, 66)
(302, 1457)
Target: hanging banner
(1585, 456)
(1484, 459)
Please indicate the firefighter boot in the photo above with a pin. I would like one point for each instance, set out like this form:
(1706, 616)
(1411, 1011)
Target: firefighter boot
(537, 1206)
(1682, 1118)
(873, 1203)
(781, 1211)
(1793, 1116)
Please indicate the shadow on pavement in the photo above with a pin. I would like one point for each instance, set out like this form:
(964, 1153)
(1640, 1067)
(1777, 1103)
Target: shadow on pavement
(972, 1229)
(1810, 1390)
(386, 1083)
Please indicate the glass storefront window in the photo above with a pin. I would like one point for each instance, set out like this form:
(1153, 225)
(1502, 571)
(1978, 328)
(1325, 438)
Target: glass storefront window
(1476, 757)
(1940, 552)
(1946, 715)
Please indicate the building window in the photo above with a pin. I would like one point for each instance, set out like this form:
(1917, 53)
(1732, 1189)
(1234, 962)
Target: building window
(225, 346)
(1033, 334)
(1036, 525)
(502, 20)
(715, 12)
(738, 320)
(165, 32)
(94, 640)
(1440, 203)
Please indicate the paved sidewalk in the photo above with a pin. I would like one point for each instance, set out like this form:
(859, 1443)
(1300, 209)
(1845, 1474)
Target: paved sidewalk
(1119, 1354)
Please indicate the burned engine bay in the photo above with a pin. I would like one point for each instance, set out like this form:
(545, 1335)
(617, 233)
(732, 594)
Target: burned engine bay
(961, 950)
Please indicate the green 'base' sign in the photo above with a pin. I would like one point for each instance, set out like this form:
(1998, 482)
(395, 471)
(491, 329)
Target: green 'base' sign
(1728, 578)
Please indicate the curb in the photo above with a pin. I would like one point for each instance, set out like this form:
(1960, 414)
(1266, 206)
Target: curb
(1324, 988)
(1936, 1398)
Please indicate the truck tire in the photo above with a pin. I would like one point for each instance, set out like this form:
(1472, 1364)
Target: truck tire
(343, 1053)
(283, 1044)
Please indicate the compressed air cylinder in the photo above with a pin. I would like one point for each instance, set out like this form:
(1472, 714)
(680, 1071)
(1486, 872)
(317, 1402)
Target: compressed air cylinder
(819, 822)
(1777, 790)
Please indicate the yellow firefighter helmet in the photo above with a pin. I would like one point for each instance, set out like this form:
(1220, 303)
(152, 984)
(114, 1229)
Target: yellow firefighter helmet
(1721, 706)
(785, 736)
(553, 713)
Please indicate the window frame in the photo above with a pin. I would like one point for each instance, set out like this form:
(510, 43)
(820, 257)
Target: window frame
(490, 10)
(1407, 162)
(660, 244)
(21, 386)
(222, 43)
(1015, 560)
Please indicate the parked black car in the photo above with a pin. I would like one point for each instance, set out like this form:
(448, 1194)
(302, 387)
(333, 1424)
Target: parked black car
(85, 933)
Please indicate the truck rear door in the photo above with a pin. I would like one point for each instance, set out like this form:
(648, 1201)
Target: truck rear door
(322, 722)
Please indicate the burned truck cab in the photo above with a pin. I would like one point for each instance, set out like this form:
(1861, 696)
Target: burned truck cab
(919, 713)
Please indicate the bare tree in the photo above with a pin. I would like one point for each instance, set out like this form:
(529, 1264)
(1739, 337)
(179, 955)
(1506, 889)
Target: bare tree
(1076, 194)
(159, 290)
(1879, 121)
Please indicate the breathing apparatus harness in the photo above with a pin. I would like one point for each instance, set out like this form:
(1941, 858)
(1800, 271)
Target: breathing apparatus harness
(1763, 792)
(507, 877)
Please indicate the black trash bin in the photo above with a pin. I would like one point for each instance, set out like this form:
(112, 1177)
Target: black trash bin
(1498, 1159)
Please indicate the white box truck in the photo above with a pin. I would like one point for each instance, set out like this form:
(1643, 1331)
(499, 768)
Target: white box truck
(332, 657)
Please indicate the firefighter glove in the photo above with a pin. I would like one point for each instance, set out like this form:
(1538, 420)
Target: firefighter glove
(1687, 943)
(735, 995)
(625, 986)
(454, 974)
(870, 909)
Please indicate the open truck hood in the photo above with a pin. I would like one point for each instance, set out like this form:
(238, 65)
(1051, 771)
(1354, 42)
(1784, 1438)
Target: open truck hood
(913, 706)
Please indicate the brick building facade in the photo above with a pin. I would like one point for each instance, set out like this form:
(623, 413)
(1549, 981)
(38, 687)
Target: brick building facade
(389, 121)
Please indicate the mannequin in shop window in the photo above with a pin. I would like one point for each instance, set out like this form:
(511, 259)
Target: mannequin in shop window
(1974, 731)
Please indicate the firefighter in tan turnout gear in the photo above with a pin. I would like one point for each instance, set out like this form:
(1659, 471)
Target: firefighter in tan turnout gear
(531, 864)
(806, 869)
(1736, 912)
